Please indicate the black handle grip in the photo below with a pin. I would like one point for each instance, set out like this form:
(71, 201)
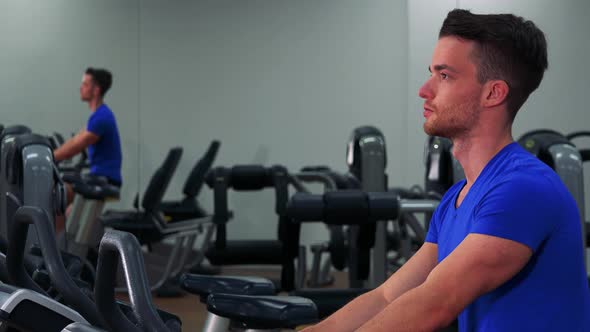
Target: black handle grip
(123, 245)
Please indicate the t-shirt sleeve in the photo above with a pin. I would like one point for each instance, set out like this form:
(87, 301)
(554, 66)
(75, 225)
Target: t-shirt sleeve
(432, 234)
(522, 210)
(98, 124)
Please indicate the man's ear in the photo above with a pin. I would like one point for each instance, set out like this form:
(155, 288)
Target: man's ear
(96, 90)
(495, 93)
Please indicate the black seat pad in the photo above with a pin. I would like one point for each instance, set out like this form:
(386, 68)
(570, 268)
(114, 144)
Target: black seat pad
(182, 210)
(135, 222)
(203, 285)
(96, 192)
(263, 312)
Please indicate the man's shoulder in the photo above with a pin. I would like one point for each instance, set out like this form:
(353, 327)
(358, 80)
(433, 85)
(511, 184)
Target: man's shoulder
(530, 183)
(104, 113)
(521, 169)
(104, 109)
(527, 186)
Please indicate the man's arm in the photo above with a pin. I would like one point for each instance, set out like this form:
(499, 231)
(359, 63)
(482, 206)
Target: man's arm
(75, 145)
(366, 306)
(478, 265)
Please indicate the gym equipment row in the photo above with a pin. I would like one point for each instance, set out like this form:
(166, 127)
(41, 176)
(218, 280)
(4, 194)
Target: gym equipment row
(358, 208)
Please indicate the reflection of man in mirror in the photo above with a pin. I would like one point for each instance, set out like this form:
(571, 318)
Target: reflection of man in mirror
(101, 135)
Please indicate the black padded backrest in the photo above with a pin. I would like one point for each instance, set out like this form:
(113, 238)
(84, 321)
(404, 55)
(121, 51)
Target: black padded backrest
(159, 182)
(354, 148)
(14, 159)
(539, 141)
(1, 128)
(52, 142)
(541, 133)
(15, 130)
(585, 153)
(438, 176)
(576, 134)
(196, 178)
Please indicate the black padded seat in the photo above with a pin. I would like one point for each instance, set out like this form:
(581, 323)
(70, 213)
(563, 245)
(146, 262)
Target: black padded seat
(77, 177)
(147, 225)
(189, 207)
(263, 312)
(97, 192)
(237, 252)
(203, 285)
(186, 209)
(71, 177)
(91, 186)
(137, 223)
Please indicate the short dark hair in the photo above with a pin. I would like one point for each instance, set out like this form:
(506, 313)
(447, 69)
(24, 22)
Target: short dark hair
(102, 77)
(508, 48)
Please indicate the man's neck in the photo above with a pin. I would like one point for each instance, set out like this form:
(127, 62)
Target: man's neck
(94, 104)
(474, 152)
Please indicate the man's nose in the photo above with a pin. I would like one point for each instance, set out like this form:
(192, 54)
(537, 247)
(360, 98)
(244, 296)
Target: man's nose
(425, 90)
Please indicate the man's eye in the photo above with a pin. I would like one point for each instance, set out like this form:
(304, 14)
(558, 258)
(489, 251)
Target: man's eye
(444, 76)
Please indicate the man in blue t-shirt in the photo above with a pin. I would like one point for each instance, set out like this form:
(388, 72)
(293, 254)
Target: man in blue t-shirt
(504, 250)
(101, 135)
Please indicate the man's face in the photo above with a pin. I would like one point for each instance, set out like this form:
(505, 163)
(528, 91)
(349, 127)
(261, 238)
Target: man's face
(452, 93)
(88, 89)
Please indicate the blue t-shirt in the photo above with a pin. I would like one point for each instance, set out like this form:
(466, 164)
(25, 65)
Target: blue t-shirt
(518, 197)
(105, 155)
